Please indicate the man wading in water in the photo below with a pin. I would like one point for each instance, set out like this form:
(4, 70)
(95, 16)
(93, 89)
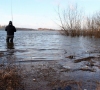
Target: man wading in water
(10, 32)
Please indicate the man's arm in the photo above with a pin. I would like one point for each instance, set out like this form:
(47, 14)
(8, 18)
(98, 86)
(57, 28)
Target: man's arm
(6, 29)
(14, 29)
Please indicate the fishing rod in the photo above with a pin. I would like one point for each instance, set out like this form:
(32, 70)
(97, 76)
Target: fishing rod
(11, 12)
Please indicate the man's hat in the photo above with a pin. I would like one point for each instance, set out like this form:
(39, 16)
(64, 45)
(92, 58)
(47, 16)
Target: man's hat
(10, 22)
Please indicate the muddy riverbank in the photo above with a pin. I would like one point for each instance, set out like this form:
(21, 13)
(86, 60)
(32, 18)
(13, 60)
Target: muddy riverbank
(81, 74)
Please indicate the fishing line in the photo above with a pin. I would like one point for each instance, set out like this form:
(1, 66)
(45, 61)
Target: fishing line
(11, 12)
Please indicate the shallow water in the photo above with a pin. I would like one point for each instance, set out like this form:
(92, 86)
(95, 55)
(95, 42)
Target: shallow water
(48, 45)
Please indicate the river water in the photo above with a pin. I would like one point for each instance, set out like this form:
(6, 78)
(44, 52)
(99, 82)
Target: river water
(48, 45)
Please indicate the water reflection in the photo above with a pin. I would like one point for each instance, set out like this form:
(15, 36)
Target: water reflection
(10, 45)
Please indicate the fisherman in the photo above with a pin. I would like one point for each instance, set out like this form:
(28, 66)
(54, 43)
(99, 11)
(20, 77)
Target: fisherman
(10, 32)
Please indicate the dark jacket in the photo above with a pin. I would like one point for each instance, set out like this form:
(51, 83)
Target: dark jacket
(10, 29)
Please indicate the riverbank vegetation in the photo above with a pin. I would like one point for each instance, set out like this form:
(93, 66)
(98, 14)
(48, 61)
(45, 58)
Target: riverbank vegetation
(74, 23)
(10, 77)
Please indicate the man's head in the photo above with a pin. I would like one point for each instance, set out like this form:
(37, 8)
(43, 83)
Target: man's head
(10, 22)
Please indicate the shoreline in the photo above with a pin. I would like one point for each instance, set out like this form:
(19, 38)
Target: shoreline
(47, 75)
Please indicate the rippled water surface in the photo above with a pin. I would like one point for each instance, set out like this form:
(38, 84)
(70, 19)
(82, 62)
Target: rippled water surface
(48, 45)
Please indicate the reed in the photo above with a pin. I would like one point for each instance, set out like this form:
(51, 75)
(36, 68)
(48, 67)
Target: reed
(90, 33)
(75, 23)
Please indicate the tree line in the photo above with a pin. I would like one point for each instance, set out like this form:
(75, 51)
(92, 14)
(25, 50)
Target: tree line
(73, 22)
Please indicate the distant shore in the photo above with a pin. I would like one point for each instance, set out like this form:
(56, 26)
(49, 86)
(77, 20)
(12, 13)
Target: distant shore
(30, 29)
(18, 28)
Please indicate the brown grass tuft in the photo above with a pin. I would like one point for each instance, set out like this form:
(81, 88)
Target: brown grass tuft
(10, 78)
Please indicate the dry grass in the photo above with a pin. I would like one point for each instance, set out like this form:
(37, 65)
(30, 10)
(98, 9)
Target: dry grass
(90, 33)
(10, 78)
(98, 87)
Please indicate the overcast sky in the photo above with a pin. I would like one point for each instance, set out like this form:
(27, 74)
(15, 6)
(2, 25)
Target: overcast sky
(40, 13)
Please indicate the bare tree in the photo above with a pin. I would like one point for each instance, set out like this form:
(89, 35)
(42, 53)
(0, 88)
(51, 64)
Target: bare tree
(89, 23)
(70, 19)
(97, 20)
(93, 22)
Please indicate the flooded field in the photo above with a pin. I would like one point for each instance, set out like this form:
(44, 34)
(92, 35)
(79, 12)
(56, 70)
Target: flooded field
(53, 60)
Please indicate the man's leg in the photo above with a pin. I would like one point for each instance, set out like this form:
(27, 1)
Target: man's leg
(7, 39)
